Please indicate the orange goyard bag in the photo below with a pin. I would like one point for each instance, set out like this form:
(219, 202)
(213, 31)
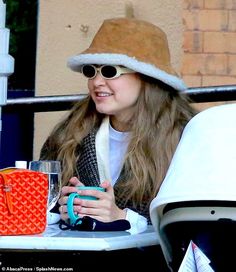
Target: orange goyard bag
(23, 201)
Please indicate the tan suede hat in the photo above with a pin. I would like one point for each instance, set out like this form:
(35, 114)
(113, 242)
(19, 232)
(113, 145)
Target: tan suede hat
(135, 44)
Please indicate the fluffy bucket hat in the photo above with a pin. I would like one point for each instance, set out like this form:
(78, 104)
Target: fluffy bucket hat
(135, 44)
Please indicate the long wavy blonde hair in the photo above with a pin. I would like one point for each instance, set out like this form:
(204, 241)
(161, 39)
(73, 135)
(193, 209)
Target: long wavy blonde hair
(160, 115)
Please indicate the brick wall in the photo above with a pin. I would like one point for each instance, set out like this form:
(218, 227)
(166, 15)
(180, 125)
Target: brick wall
(209, 42)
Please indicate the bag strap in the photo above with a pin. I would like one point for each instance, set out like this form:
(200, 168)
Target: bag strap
(7, 189)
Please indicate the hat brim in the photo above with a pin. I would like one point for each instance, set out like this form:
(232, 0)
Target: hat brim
(76, 62)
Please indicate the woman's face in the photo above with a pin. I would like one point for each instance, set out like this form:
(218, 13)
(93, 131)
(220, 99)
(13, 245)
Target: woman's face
(116, 96)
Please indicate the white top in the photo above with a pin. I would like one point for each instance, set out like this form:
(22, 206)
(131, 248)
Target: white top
(118, 143)
(108, 161)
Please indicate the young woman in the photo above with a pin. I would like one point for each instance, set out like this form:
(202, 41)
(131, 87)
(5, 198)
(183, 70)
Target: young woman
(123, 135)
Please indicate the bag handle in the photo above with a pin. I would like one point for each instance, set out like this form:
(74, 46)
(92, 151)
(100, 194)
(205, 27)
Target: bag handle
(7, 189)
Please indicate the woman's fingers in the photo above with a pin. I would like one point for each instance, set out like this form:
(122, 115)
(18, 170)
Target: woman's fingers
(62, 200)
(66, 190)
(63, 209)
(103, 209)
(75, 182)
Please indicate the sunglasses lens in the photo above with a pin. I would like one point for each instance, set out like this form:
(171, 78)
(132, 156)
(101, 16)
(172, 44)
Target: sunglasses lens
(89, 71)
(108, 71)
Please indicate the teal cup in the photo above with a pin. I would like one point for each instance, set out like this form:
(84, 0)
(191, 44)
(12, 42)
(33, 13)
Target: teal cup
(70, 203)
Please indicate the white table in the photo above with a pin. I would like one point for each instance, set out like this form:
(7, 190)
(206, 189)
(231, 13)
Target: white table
(55, 239)
(81, 251)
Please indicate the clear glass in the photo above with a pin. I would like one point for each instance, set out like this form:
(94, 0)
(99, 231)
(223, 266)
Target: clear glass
(53, 169)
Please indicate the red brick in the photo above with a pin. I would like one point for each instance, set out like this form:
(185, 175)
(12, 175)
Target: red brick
(232, 66)
(232, 20)
(220, 4)
(192, 81)
(205, 20)
(220, 42)
(193, 41)
(218, 80)
(204, 64)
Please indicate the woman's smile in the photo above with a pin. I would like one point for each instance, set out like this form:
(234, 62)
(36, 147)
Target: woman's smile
(102, 94)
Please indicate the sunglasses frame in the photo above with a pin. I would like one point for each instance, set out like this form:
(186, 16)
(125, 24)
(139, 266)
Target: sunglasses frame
(119, 71)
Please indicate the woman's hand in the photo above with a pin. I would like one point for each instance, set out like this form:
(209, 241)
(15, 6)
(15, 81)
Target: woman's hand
(104, 209)
(65, 191)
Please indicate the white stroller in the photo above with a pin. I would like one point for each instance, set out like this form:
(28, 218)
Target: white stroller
(197, 200)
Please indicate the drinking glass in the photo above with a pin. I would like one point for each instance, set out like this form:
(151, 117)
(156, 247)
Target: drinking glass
(53, 170)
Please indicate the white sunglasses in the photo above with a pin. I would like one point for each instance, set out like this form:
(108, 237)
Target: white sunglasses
(106, 71)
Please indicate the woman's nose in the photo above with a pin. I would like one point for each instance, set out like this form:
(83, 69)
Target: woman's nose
(98, 79)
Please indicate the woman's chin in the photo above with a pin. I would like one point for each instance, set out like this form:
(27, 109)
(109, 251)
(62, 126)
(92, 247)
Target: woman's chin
(104, 111)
